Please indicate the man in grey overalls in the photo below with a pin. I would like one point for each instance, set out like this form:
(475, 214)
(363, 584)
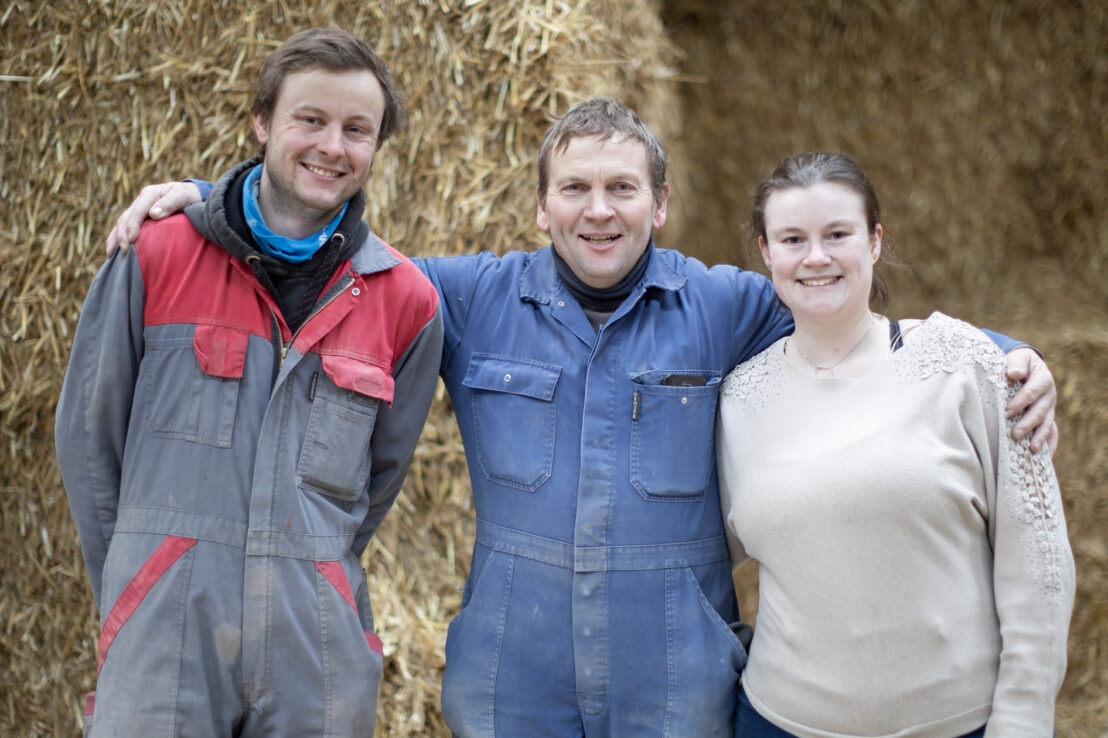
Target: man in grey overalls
(245, 392)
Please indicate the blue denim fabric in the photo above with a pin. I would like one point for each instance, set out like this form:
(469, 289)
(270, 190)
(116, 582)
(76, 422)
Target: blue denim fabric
(599, 599)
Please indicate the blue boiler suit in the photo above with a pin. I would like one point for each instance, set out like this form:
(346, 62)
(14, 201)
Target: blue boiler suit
(600, 600)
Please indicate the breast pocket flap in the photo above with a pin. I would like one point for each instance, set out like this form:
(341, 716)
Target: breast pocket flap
(220, 350)
(500, 374)
(358, 375)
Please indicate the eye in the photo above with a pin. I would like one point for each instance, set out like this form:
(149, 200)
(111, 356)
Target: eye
(792, 240)
(838, 235)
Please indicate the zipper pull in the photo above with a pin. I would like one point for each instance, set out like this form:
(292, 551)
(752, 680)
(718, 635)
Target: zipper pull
(636, 404)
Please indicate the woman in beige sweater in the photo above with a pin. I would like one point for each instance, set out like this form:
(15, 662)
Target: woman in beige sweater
(915, 579)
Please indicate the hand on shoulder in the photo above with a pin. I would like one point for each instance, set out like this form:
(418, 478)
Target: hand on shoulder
(154, 201)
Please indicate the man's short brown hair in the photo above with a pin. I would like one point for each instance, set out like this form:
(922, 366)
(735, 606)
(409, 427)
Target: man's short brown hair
(333, 50)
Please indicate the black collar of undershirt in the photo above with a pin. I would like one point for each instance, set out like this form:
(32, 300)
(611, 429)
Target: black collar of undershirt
(601, 299)
(352, 228)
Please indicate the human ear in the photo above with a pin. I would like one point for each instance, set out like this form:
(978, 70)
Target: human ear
(261, 130)
(541, 218)
(659, 219)
(765, 253)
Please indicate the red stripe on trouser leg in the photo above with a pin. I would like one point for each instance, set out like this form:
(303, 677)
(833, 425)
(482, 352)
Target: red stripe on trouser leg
(164, 556)
(333, 572)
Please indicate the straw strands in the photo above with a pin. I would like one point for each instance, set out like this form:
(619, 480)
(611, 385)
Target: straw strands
(984, 124)
(98, 97)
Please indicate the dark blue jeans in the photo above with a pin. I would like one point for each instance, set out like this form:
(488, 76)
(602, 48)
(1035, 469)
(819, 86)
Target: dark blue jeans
(749, 724)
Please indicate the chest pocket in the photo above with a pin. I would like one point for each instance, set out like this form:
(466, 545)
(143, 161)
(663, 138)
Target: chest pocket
(192, 391)
(672, 436)
(514, 417)
(335, 458)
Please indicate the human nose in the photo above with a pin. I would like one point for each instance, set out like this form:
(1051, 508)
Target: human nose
(817, 254)
(330, 140)
(598, 207)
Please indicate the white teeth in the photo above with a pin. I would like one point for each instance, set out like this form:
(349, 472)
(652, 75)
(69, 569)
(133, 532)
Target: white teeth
(599, 239)
(821, 282)
(320, 172)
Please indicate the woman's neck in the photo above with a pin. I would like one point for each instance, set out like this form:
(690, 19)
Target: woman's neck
(847, 349)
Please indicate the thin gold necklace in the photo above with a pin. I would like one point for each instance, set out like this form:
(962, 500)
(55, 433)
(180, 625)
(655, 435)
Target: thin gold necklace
(847, 355)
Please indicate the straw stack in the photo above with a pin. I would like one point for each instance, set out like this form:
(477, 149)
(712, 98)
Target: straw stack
(984, 125)
(98, 98)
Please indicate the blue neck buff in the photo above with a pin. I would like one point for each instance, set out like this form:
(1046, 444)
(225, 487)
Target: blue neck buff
(279, 247)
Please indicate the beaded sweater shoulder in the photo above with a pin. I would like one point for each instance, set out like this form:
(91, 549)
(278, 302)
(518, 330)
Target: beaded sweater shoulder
(943, 345)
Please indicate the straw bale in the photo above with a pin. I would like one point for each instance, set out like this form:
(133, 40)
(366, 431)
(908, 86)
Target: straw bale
(97, 98)
(983, 124)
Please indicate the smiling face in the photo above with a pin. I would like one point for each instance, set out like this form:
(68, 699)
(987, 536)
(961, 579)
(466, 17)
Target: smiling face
(820, 251)
(599, 207)
(319, 146)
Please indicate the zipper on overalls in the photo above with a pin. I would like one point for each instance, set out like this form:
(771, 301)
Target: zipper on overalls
(337, 289)
(280, 346)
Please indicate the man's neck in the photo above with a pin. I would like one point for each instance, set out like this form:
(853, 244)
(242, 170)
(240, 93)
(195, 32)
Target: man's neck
(289, 219)
(601, 300)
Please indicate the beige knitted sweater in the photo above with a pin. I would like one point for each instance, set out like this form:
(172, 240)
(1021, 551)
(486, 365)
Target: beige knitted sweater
(915, 578)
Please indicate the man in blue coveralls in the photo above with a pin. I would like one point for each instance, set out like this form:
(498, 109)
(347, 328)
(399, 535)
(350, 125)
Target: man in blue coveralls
(584, 379)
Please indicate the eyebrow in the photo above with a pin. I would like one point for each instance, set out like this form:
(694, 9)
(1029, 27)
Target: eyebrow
(832, 224)
(316, 110)
(621, 176)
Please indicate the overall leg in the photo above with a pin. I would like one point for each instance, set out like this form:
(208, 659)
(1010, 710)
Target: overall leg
(170, 643)
(675, 660)
(509, 652)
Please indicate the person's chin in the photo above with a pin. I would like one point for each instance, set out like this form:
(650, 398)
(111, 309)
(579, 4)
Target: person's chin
(323, 202)
(813, 306)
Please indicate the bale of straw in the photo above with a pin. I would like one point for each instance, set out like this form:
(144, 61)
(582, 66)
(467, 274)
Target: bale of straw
(984, 126)
(98, 98)
(985, 129)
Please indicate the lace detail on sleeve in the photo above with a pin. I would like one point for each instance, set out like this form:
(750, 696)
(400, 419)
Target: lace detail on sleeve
(1035, 500)
(756, 380)
(1026, 480)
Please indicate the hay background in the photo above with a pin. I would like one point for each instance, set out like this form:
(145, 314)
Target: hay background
(984, 125)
